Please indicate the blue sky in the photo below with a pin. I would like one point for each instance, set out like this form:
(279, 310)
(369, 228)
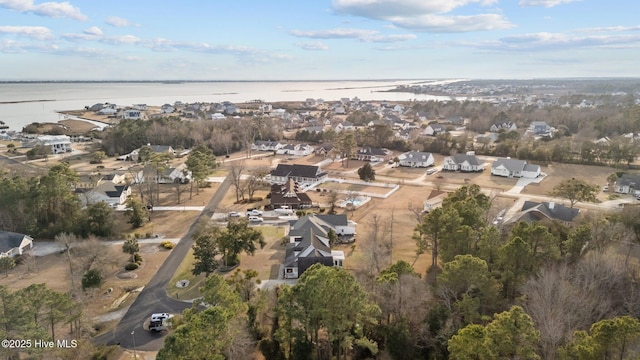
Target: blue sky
(317, 39)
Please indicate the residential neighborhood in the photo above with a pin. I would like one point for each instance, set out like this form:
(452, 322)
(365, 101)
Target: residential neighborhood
(354, 187)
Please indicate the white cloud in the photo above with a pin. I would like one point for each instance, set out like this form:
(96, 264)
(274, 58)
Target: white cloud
(359, 34)
(49, 9)
(118, 21)
(95, 34)
(317, 45)
(544, 41)
(34, 32)
(340, 33)
(94, 30)
(453, 24)
(425, 15)
(383, 9)
(545, 3)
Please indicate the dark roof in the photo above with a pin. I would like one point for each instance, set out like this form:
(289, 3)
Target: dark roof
(10, 240)
(110, 189)
(287, 194)
(296, 170)
(551, 210)
(371, 151)
(460, 158)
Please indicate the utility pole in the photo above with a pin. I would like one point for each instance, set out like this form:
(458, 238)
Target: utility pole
(135, 356)
(391, 239)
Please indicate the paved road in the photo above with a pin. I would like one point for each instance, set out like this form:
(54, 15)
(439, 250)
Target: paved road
(153, 297)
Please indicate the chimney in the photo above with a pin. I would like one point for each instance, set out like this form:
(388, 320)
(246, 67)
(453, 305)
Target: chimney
(552, 205)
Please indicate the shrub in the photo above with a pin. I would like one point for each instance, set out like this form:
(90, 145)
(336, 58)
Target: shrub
(167, 245)
(131, 266)
(148, 235)
(137, 258)
(91, 278)
(321, 210)
(137, 235)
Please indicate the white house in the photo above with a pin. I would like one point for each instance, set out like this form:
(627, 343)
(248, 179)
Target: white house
(132, 114)
(462, 162)
(504, 125)
(109, 110)
(13, 244)
(262, 145)
(628, 184)
(58, 144)
(167, 109)
(107, 192)
(295, 149)
(167, 176)
(416, 159)
(142, 107)
(514, 168)
(434, 129)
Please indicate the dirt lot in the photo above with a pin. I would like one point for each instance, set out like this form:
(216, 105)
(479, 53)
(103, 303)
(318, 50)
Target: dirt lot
(596, 175)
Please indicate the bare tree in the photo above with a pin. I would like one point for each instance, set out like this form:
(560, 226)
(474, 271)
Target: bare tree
(256, 181)
(378, 250)
(237, 167)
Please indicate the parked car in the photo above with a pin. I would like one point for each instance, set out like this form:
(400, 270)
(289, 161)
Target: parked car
(255, 219)
(605, 188)
(234, 214)
(432, 171)
(254, 212)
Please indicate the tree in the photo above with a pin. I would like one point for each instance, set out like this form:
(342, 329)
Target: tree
(236, 177)
(346, 145)
(131, 247)
(92, 278)
(468, 344)
(99, 220)
(576, 190)
(98, 156)
(201, 163)
(11, 147)
(205, 249)
(256, 181)
(512, 335)
(467, 288)
(317, 302)
(137, 212)
(236, 238)
(616, 338)
(7, 263)
(213, 333)
(366, 173)
(435, 225)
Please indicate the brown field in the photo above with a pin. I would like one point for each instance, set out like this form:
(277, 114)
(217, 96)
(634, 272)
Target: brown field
(596, 175)
(354, 187)
(402, 172)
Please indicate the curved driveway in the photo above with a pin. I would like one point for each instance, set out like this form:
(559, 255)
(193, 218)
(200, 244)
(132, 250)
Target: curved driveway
(154, 298)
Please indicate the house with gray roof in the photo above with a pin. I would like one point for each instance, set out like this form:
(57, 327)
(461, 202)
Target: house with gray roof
(13, 244)
(508, 167)
(628, 184)
(301, 174)
(263, 145)
(309, 243)
(434, 129)
(416, 159)
(541, 211)
(463, 162)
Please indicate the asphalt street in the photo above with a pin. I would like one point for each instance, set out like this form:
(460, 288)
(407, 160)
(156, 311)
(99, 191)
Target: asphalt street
(129, 333)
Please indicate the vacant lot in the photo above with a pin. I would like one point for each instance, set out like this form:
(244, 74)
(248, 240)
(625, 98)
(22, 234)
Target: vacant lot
(596, 175)
(354, 187)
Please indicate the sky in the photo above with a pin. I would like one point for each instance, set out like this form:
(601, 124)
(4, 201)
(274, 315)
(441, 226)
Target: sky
(317, 39)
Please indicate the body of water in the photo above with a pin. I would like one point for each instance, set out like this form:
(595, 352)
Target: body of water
(25, 103)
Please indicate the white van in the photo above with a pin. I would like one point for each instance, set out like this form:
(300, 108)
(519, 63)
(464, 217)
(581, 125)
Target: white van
(255, 219)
